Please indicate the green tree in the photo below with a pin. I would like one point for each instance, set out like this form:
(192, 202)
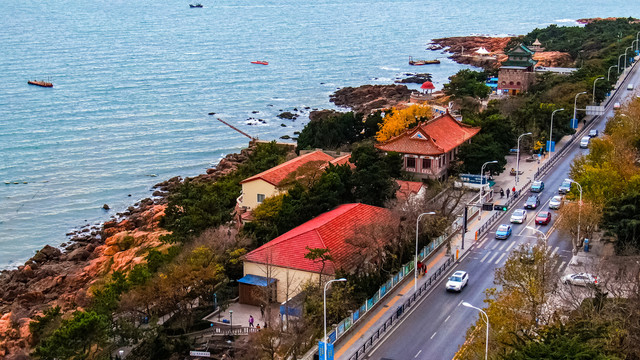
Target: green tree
(621, 218)
(467, 83)
(373, 177)
(319, 255)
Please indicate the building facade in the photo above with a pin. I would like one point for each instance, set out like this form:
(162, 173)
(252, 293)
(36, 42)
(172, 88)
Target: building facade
(517, 73)
(429, 148)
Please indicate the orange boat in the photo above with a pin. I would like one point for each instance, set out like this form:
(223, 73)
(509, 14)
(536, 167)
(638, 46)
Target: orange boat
(40, 83)
(260, 62)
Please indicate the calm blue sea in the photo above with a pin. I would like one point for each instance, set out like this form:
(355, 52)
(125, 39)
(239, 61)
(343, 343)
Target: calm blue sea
(135, 80)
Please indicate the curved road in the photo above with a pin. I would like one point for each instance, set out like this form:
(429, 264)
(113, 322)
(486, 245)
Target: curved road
(436, 328)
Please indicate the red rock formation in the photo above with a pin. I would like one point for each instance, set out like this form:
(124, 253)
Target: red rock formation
(366, 98)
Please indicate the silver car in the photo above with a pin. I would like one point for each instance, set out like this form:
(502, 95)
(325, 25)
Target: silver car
(581, 279)
(555, 202)
(519, 216)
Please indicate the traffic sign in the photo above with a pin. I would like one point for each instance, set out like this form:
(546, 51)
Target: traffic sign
(574, 123)
(321, 346)
(551, 146)
(595, 110)
(487, 206)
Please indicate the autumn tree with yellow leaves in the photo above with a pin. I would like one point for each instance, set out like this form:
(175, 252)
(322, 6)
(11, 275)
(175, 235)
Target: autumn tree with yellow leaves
(398, 120)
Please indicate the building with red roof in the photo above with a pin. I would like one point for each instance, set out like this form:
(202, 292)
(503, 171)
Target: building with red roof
(349, 232)
(267, 183)
(430, 147)
(409, 189)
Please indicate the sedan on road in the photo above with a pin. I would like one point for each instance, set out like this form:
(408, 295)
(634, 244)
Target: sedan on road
(555, 202)
(532, 202)
(593, 133)
(565, 187)
(543, 218)
(457, 281)
(537, 186)
(519, 216)
(503, 232)
(581, 279)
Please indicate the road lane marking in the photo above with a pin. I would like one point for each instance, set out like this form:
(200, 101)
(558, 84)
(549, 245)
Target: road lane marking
(510, 246)
(561, 265)
(448, 317)
(418, 353)
(488, 253)
(434, 334)
(495, 245)
(493, 257)
(503, 245)
(500, 258)
(555, 251)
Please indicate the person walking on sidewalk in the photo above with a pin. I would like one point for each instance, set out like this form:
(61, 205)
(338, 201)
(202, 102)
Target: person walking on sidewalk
(501, 193)
(508, 193)
(419, 265)
(250, 320)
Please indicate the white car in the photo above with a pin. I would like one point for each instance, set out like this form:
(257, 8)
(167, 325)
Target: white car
(519, 216)
(582, 279)
(457, 281)
(584, 142)
(555, 202)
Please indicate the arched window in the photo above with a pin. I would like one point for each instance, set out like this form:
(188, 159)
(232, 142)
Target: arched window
(510, 82)
(518, 83)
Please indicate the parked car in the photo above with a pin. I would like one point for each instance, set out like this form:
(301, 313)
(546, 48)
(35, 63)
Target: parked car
(581, 279)
(616, 105)
(565, 187)
(532, 202)
(584, 142)
(593, 133)
(519, 216)
(543, 218)
(457, 281)
(630, 87)
(537, 186)
(555, 202)
(503, 232)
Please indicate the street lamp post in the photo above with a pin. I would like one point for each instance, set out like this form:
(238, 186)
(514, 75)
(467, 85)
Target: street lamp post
(634, 41)
(481, 196)
(637, 37)
(486, 319)
(544, 236)
(593, 99)
(231, 321)
(551, 131)
(575, 105)
(325, 312)
(579, 209)
(518, 157)
(619, 66)
(609, 71)
(626, 60)
(415, 264)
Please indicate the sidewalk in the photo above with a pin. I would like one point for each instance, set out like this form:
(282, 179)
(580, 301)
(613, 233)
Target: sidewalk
(361, 331)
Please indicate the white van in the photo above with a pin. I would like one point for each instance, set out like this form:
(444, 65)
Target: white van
(584, 142)
(630, 87)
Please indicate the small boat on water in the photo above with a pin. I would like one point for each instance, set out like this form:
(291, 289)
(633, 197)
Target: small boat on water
(422, 62)
(260, 62)
(195, 5)
(40, 83)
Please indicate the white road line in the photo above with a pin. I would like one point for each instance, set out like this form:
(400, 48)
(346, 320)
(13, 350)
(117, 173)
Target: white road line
(434, 334)
(493, 257)
(502, 246)
(495, 245)
(555, 250)
(500, 258)
(445, 320)
(460, 303)
(510, 246)
(420, 351)
(561, 265)
(482, 260)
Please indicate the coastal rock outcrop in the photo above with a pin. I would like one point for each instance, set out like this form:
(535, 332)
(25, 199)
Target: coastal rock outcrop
(367, 98)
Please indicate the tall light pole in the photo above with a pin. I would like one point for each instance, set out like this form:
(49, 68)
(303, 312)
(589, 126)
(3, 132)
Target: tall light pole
(609, 71)
(620, 66)
(486, 319)
(544, 236)
(637, 36)
(551, 148)
(593, 99)
(415, 264)
(481, 196)
(579, 209)
(518, 157)
(634, 41)
(324, 301)
(626, 60)
(575, 106)
(231, 321)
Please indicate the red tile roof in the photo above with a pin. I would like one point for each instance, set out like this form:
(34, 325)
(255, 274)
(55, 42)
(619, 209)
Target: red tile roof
(278, 173)
(435, 137)
(326, 231)
(407, 188)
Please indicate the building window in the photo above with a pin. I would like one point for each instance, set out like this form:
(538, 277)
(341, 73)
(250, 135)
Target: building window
(518, 83)
(426, 163)
(411, 162)
(510, 82)
(260, 198)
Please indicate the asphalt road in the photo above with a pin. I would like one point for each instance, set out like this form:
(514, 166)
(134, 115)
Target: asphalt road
(437, 327)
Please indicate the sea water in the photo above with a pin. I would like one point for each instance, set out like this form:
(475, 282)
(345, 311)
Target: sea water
(134, 82)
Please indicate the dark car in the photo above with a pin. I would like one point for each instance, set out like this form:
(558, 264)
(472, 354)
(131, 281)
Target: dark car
(537, 186)
(593, 133)
(532, 202)
(543, 218)
(565, 187)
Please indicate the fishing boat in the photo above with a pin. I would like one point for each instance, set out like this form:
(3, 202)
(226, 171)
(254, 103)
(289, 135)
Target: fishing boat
(40, 83)
(195, 5)
(260, 62)
(422, 62)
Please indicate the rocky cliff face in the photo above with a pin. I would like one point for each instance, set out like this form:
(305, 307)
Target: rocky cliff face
(366, 98)
(55, 277)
